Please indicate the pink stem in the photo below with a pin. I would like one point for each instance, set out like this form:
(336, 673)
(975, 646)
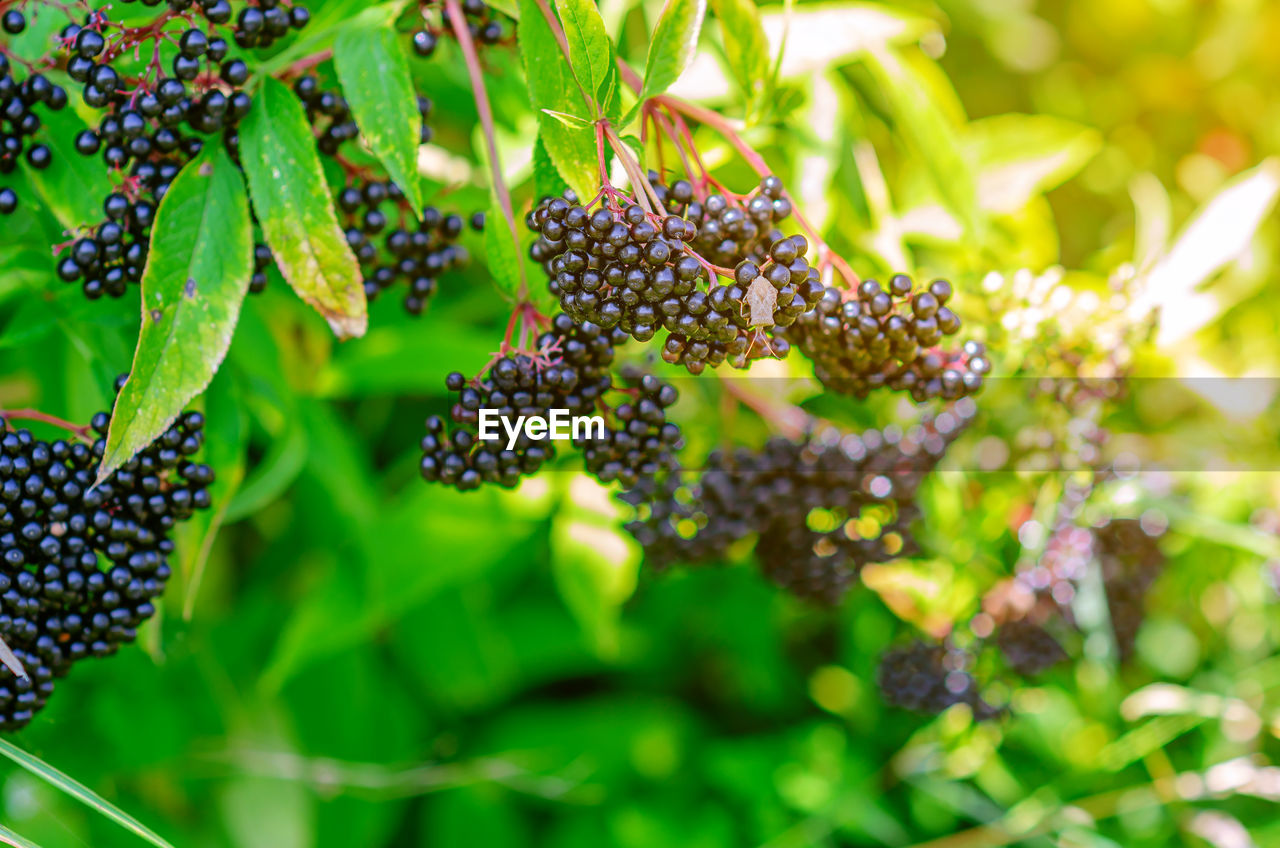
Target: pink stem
(44, 418)
(454, 9)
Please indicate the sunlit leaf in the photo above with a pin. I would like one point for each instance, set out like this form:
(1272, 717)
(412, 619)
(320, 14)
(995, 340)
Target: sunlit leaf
(673, 44)
(590, 49)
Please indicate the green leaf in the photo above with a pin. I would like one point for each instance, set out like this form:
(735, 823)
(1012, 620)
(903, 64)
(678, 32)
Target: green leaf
(573, 122)
(547, 181)
(506, 7)
(745, 45)
(73, 186)
(295, 210)
(1022, 156)
(552, 86)
(81, 793)
(8, 837)
(500, 252)
(590, 50)
(927, 130)
(595, 564)
(328, 21)
(226, 449)
(673, 44)
(374, 71)
(196, 278)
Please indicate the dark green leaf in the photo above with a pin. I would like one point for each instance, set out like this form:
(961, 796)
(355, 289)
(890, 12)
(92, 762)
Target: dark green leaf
(745, 45)
(673, 44)
(590, 50)
(196, 278)
(374, 70)
(296, 213)
(552, 86)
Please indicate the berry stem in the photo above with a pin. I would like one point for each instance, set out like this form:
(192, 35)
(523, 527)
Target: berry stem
(45, 418)
(629, 164)
(486, 122)
(305, 64)
(753, 158)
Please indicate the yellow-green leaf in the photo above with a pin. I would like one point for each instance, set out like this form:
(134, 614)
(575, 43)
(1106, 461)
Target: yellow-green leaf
(296, 212)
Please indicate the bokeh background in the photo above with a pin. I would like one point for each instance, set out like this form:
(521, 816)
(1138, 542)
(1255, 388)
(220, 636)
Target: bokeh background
(357, 659)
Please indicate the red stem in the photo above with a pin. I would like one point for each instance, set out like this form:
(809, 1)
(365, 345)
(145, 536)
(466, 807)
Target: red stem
(454, 11)
(45, 418)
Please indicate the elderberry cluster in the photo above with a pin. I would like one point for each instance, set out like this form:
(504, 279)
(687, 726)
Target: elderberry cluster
(18, 118)
(822, 508)
(1028, 648)
(1131, 560)
(882, 338)
(417, 255)
(262, 25)
(644, 272)
(486, 25)
(81, 565)
(640, 440)
(114, 256)
(149, 119)
(570, 372)
(928, 678)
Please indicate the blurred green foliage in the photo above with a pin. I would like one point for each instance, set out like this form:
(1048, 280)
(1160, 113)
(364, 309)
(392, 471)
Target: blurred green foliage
(368, 661)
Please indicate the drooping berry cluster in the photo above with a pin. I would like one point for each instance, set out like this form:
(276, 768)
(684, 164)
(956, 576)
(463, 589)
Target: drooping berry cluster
(569, 372)
(152, 117)
(822, 508)
(81, 565)
(929, 678)
(417, 255)
(1131, 560)
(877, 338)
(262, 25)
(114, 256)
(645, 272)
(18, 117)
(639, 440)
(1028, 648)
(486, 25)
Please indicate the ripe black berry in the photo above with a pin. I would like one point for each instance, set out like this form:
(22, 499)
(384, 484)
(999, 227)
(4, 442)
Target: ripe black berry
(81, 566)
